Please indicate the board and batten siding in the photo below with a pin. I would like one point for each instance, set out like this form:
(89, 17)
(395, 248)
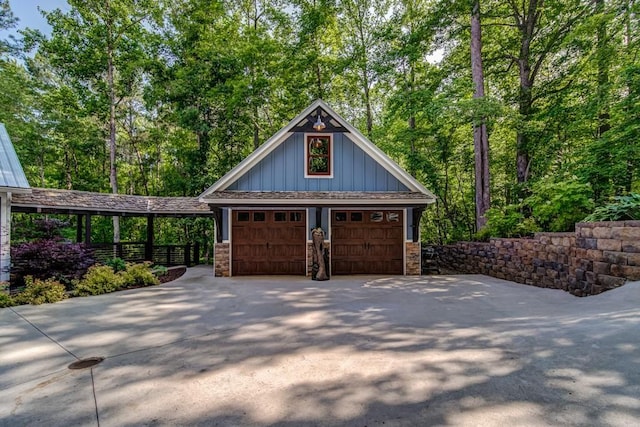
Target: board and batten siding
(283, 170)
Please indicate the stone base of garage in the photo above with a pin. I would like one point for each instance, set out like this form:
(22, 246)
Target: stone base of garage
(413, 258)
(222, 266)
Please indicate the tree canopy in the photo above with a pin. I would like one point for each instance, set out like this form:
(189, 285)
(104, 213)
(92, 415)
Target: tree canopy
(163, 98)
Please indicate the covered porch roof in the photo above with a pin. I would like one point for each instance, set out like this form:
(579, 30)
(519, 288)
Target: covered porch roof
(47, 200)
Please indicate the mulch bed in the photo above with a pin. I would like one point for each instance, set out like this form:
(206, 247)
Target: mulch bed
(173, 273)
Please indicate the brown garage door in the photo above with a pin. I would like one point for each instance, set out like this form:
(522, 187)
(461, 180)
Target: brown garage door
(367, 242)
(268, 242)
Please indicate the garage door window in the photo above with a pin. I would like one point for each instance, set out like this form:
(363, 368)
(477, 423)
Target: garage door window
(376, 217)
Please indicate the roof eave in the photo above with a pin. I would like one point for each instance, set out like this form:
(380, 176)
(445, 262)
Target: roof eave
(17, 190)
(318, 203)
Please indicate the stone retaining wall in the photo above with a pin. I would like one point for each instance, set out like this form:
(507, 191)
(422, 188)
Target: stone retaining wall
(599, 256)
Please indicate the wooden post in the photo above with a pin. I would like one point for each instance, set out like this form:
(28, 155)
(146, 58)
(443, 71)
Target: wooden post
(148, 245)
(87, 230)
(79, 218)
(187, 255)
(196, 253)
(417, 216)
(217, 217)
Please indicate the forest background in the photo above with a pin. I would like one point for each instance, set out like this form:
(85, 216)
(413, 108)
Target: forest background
(162, 98)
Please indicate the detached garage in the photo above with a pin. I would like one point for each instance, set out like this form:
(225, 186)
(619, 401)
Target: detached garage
(317, 172)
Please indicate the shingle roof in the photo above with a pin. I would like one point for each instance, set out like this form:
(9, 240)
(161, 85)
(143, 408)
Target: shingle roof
(12, 176)
(49, 200)
(318, 198)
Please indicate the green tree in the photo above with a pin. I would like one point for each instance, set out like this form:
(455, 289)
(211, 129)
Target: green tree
(98, 47)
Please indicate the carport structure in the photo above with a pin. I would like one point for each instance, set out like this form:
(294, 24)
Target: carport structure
(16, 195)
(85, 204)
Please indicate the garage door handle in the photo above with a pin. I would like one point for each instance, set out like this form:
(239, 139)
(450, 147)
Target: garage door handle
(267, 245)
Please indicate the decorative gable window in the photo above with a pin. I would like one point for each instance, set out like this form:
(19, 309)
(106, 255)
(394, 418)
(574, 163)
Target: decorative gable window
(318, 152)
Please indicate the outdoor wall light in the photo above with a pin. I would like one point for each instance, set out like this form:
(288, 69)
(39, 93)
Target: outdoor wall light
(319, 124)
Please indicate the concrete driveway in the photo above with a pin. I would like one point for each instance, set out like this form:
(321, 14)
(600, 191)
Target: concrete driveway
(354, 351)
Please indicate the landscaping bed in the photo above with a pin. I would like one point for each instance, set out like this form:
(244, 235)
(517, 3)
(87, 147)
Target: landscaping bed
(172, 273)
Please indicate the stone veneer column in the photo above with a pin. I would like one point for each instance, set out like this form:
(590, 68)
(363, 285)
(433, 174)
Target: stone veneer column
(221, 260)
(413, 258)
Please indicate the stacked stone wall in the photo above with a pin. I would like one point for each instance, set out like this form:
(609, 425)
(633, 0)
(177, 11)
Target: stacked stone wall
(413, 264)
(597, 257)
(221, 260)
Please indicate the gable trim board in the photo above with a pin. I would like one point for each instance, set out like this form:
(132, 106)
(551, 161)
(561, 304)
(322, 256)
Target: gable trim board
(316, 198)
(368, 188)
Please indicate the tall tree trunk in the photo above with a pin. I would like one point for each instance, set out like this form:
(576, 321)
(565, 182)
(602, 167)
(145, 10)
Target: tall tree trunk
(632, 160)
(603, 74)
(525, 101)
(480, 136)
(319, 78)
(526, 25)
(256, 129)
(113, 177)
(367, 100)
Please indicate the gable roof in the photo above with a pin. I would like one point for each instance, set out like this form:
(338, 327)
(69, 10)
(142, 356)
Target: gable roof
(12, 177)
(349, 131)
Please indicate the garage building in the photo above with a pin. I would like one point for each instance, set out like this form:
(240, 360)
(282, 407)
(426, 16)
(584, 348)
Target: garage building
(318, 171)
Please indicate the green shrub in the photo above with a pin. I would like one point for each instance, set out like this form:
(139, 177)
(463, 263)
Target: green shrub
(117, 264)
(6, 300)
(100, 279)
(38, 291)
(160, 270)
(139, 275)
(507, 222)
(551, 206)
(557, 206)
(622, 209)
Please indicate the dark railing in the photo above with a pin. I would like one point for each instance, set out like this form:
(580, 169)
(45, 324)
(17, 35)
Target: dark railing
(167, 255)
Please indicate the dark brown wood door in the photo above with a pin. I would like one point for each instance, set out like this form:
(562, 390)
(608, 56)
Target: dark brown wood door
(367, 242)
(268, 242)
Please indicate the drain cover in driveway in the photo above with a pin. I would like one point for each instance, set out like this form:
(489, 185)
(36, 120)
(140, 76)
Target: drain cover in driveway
(86, 363)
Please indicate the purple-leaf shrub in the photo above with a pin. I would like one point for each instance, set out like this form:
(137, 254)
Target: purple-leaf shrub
(48, 258)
